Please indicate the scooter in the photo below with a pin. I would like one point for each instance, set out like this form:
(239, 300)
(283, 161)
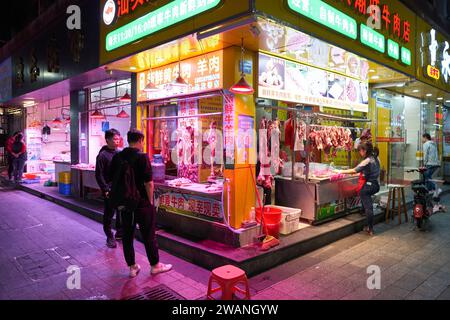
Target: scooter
(423, 200)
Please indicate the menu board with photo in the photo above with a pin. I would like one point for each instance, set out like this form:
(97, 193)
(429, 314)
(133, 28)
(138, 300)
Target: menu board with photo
(352, 65)
(289, 81)
(271, 72)
(336, 86)
(296, 78)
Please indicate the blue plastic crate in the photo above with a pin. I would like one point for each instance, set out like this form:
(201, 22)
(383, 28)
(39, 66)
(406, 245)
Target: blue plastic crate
(64, 189)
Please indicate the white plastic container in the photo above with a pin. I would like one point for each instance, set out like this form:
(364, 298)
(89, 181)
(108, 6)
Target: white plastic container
(290, 219)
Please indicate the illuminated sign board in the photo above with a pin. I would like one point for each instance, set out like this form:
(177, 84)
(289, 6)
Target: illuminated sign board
(289, 81)
(332, 18)
(203, 73)
(393, 49)
(327, 15)
(161, 18)
(433, 72)
(372, 39)
(406, 56)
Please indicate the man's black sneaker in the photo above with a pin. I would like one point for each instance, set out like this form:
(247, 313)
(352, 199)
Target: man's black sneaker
(111, 243)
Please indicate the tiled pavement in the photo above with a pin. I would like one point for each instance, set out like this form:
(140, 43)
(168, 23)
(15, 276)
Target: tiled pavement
(39, 240)
(413, 264)
(35, 232)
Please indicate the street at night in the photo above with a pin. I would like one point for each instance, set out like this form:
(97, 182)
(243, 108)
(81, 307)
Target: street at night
(220, 158)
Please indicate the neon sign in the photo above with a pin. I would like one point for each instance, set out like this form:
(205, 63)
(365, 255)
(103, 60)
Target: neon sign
(159, 19)
(326, 15)
(372, 39)
(437, 58)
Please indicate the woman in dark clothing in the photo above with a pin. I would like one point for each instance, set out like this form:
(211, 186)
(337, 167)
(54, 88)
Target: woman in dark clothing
(19, 156)
(369, 170)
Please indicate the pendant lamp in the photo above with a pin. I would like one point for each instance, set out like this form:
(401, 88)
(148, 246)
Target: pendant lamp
(125, 98)
(150, 87)
(242, 86)
(57, 121)
(179, 82)
(123, 114)
(97, 115)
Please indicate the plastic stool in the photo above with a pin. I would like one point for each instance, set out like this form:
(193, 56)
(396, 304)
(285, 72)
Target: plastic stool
(228, 277)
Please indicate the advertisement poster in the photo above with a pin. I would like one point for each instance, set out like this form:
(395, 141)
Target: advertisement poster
(290, 81)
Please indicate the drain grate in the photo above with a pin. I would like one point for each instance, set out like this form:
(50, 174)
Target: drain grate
(161, 292)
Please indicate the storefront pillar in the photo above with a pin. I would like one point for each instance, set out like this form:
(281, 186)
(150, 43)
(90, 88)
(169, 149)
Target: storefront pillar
(78, 148)
(134, 100)
(242, 186)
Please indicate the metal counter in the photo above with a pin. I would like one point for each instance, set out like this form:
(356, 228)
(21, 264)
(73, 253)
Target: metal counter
(320, 200)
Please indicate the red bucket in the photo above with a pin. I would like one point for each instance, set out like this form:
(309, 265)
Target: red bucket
(271, 215)
(273, 229)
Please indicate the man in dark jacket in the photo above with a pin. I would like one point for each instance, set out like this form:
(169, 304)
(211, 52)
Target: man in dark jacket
(102, 175)
(145, 214)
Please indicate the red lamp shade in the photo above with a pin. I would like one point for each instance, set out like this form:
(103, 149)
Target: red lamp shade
(180, 82)
(97, 115)
(123, 114)
(56, 121)
(125, 98)
(242, 87)
(151, 87)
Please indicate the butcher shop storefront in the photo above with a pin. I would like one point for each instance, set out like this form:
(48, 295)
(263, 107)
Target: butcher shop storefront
(258, 110)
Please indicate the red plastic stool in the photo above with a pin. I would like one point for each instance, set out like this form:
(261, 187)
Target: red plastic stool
(228, 277)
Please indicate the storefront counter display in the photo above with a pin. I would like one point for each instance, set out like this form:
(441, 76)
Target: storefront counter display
(321, 199)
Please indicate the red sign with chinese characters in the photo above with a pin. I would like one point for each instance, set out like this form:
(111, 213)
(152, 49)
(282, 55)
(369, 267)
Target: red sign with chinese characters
(125, 7)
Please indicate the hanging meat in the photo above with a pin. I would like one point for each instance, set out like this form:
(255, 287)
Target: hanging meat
(265, 177)
(185, 149)
(212, 140)
(165, 151)
(328, 138)
(300, 135)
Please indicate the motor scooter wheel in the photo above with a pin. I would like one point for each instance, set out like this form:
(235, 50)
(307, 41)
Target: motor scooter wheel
(419, 223)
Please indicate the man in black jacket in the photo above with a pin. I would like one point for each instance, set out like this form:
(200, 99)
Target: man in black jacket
(102, 175)
(145, 214)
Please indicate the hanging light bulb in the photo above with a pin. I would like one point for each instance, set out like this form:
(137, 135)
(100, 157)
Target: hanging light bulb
(125, 98)
(242, 86)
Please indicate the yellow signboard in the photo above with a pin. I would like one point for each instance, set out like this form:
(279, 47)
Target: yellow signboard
(433, 72)
(385, 33)
(202, 73)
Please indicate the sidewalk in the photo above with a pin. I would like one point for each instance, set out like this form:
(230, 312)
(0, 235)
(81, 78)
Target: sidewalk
(414, 265)
(39, 240)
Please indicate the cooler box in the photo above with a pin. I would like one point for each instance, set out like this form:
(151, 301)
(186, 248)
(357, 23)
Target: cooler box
(290, 219)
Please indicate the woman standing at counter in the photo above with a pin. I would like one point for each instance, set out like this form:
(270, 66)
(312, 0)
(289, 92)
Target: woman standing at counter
(369, 170)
